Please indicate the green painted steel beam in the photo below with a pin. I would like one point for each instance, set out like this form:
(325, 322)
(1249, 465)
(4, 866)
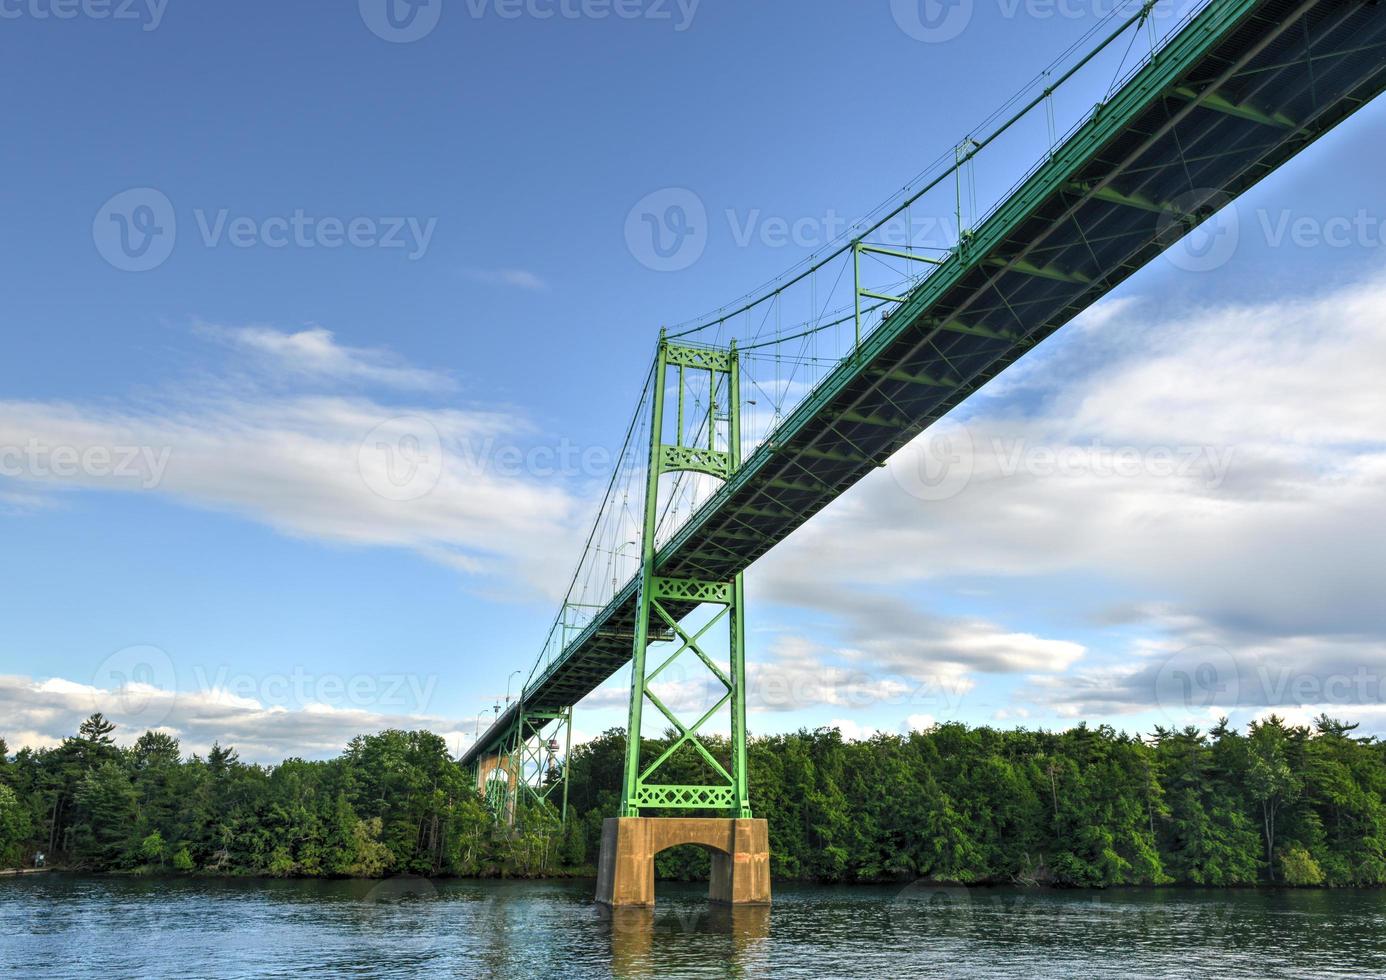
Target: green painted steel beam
(898, 253)
(1220, 103)
(1040, 271)
(1110, 195)
(916, 378)
(953, 326)
(799, 486)
(839, 457)
(695, 459)
(691, 590)
(883, 296)
(855, 417)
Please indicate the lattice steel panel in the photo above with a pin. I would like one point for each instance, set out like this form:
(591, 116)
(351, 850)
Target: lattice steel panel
(692, 590)
(667, 797)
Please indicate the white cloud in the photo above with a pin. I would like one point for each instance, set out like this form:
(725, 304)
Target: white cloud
(311, 467)
(39, 714)
(314, 353)
(885, 649)
(515, 278)
(1198, 670)
(453, 485)
(1225, 465)
(855, 731)
(795, 673)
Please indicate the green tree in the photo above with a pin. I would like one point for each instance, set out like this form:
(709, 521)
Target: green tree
(1300, 868)
(153, 848)
(182, 859)
(106, 812)
(1271, 780)
(14, 828)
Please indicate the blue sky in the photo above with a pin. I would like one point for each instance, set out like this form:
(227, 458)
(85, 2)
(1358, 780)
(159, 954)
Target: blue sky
(464, 258)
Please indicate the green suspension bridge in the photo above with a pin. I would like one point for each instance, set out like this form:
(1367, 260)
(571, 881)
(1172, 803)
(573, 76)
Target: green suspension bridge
(1149, 127)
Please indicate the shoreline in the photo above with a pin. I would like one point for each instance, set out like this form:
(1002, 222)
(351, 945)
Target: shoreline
(952, 886)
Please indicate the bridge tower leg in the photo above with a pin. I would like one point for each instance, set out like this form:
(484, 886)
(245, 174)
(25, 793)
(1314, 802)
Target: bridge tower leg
(540, 778)
(496, 782)
(526, 767)
(711, 445)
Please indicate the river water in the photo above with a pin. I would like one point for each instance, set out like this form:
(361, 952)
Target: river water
(71, 926)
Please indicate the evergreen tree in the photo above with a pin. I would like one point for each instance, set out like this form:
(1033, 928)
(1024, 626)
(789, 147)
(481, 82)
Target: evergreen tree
(1086, 807)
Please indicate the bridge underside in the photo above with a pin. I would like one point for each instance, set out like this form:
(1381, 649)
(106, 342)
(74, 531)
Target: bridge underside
(1243, 88)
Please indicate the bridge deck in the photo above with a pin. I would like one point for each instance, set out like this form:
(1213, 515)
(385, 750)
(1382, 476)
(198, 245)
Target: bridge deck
(1241, 89)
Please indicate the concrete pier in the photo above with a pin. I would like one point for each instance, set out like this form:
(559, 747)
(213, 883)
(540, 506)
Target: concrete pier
(740, 857)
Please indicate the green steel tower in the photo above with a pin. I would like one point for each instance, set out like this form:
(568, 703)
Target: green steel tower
(664, 601)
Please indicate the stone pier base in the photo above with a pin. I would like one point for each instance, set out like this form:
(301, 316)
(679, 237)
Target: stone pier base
(740, 857)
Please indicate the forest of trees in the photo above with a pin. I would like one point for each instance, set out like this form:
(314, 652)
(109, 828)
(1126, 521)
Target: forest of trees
(1276, 804)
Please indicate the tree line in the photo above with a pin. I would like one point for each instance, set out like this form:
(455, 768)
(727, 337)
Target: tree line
(1278, 803)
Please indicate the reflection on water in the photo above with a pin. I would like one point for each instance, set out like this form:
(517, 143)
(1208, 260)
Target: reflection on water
(59, 925)
(633, 934)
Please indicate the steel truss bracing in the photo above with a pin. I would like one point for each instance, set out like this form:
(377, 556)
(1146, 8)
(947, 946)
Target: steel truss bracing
(664, 602)
(498, 795)
(1238, 90)
(531, 770)
(541, 773)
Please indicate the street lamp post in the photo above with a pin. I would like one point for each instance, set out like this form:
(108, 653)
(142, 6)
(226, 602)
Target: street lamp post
(615, 564)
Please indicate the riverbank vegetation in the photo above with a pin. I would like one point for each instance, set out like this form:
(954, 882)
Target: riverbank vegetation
(1276, 804)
